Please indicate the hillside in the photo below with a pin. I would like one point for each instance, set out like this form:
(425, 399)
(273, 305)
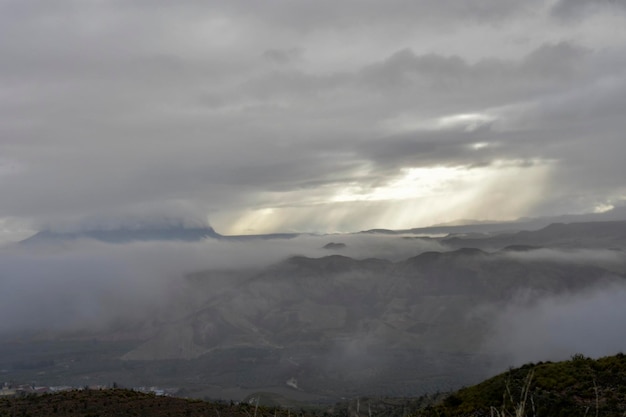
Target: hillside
(578, 387)
(422, 302)
(122, 402)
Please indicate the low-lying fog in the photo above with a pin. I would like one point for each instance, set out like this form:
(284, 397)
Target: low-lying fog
(85, 284)
(89, 285)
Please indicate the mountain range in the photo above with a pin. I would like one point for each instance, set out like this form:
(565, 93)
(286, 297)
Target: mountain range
(179, 232)
(318, 329)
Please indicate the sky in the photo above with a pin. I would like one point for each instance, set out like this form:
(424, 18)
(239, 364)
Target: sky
(308, 116)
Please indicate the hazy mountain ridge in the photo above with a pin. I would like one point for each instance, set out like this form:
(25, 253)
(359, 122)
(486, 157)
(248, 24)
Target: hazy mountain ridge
(370, 307)
(340, 296)
(617, 214)
(342, 325)
(146, 234)
(521, 230)
(125, 235)
(610, 234)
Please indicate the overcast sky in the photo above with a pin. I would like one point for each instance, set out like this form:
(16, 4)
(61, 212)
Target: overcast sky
(323, 116)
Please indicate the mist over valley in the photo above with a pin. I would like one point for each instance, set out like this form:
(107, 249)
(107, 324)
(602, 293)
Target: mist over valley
(372, 314)
(303, 202)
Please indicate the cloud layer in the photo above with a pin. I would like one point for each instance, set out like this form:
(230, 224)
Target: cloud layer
(303, 116)
(555, 328)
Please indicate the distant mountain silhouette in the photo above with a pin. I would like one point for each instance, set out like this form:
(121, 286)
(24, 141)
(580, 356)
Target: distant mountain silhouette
(609, 234)
(493, 227)
(124, 235)
(334, 246)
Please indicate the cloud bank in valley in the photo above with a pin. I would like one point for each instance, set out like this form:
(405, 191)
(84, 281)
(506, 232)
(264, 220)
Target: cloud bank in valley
(92, 286)
(327, 117)
(87, 285)
(535, 326)
(557, 327)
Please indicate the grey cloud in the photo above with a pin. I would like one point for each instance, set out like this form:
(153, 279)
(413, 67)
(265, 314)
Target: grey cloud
(402, 68)
(546, 68)
(426, 84)
(425, 148)
(556, 61)
(114, 105)
(305, 17)
(611, 260)
(541, 70)
(372, 12)
(404, 80)
(589, 113)
(165, 214)
(454, 147)
(579, 8)
(283, 56)
(281, 84)
(555, 328)
(88, 286)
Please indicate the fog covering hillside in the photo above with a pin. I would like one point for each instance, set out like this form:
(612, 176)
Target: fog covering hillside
(393, 315)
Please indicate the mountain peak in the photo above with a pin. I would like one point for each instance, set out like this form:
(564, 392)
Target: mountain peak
(124, 234)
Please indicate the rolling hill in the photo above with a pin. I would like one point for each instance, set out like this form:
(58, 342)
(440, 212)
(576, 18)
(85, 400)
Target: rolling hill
(578, 387)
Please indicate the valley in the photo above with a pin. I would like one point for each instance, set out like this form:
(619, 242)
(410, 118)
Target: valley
(320, 329)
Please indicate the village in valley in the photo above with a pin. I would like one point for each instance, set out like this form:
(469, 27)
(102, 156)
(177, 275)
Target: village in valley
(10, 389)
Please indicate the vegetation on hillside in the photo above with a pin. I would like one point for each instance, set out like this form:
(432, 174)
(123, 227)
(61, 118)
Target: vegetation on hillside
(122, 403)
(578, 387)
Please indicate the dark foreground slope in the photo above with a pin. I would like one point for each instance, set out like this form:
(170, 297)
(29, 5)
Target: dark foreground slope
(121, 402)
(578, 387)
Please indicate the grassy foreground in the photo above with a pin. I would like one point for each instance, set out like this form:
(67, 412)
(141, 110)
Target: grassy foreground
(578, 387)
